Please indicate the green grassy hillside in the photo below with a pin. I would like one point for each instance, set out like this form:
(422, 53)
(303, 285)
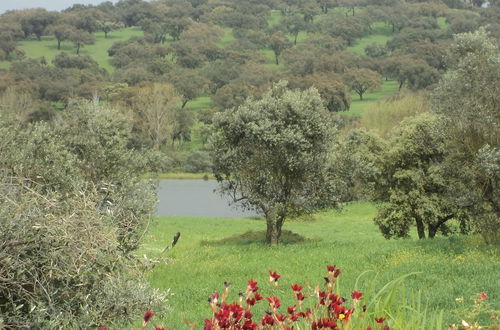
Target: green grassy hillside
(212, 251)
(47, 47)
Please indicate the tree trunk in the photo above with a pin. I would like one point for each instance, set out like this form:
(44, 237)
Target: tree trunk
(58, 44)
(434, 228)
(77, 49)
(105, 34)
(360, 96)
(277, 61)
(295, 39)
(420, 228)
(274, 224)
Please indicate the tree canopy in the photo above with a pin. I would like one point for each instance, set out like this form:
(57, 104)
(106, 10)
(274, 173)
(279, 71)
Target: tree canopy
(272, 155)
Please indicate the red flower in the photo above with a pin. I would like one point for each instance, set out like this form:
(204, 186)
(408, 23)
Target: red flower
(251, 301)
(386, 327)
(483, 296)
(214, 298)
(258, 296)
(148, 315)
(267, 320)
(291, 309)
(208, 324)
(248, 315)
(380, 320)
(252, 286)
(356, 295)
(103, 328)
(158, 328)
(280, 317)
(249, 325)
(274, 302)
(273, 276)
(300, 296)
(296, 288)
(331, 269)
(369, 328)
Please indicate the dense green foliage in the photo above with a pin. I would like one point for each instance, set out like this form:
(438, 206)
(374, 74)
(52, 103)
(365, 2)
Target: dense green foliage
(72, 210)
(273, 154)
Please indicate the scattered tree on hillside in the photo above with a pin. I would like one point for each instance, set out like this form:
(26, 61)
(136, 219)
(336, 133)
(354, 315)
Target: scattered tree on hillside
(108, 26)
(272, 155)
(362, 80)
(81, 38)
(61, 32)
(189, 83)
(333, 91)
(35, 21)
(294, 24)
(278, 43)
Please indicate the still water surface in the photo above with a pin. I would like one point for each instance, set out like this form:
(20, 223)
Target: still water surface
(195, 198)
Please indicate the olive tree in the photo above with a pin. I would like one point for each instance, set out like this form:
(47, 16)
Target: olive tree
(468, 97)
(414, 185)
(272, 155)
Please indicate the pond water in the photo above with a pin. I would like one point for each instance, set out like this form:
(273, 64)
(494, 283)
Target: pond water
(195, 198)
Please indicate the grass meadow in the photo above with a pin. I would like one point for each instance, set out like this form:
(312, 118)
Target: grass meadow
(212, 251)
(381, 33)
(47, 47)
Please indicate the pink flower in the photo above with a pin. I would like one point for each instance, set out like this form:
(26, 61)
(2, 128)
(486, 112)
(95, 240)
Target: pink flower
(483, 296)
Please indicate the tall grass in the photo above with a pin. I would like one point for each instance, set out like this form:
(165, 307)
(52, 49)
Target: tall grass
(382, 116)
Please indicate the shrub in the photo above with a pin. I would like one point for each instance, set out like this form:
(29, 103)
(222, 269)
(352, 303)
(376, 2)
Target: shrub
(198, 161)
(71, 211)
(60, 265)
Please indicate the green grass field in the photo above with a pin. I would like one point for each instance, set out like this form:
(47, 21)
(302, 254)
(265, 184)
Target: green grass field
(370, 98)
(47, 47)
(212, 251)
(380, 35)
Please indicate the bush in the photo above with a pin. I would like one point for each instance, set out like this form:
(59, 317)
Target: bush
(71, 210)
(60, 265)
(198, 162)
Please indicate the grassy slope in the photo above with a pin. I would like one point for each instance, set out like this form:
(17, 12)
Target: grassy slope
(380, 35)
(451, 267)
(359, 106)
(99, 50)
